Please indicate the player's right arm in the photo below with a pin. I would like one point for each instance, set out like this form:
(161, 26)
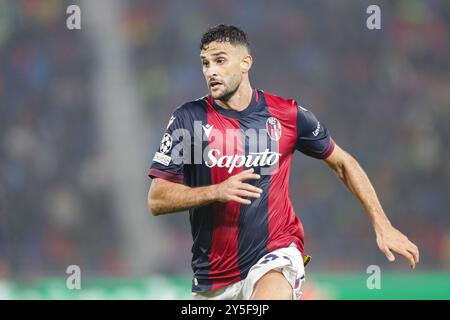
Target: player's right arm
(168, 191)
(167, 197)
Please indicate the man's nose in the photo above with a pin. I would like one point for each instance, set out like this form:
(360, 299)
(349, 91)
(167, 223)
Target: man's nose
(211, 72)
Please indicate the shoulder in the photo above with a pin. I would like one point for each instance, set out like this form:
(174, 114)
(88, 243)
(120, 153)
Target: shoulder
(191, 109)
(277, 101)
(284, 109)
(283, 103)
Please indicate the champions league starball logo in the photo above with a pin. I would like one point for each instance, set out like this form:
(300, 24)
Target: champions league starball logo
(273, 127)
(166, 143)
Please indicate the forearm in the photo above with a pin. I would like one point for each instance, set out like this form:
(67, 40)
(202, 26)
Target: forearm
(166, 197)
(357, 181)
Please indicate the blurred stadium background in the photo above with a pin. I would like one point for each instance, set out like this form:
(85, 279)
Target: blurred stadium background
(82, 112)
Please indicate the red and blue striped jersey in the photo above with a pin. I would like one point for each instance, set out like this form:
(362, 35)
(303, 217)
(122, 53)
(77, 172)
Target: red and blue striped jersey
(205, 144)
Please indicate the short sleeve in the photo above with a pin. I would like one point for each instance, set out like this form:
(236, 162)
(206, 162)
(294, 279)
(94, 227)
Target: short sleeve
(313, 138)
(168, 162)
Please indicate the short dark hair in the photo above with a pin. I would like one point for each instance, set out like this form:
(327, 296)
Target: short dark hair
(222, 33)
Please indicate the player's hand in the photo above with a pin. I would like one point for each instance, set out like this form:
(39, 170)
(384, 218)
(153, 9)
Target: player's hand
(234, 189)
(391, 240)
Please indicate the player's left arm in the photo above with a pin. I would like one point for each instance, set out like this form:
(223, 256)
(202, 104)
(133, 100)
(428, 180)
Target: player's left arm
(355, 179)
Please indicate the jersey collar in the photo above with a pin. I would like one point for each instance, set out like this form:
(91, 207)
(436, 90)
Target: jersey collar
(237, 114)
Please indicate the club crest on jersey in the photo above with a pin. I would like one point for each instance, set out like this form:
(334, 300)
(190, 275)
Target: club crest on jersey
(273, 127)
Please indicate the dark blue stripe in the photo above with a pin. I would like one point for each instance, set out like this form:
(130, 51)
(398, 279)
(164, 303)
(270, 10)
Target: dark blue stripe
(253, 234)
(201, 219)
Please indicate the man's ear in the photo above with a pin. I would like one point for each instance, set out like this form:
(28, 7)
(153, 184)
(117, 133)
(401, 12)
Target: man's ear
(246, 63)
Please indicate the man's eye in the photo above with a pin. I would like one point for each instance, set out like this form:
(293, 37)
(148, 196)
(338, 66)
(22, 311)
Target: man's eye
(220, 61)
(205, 63)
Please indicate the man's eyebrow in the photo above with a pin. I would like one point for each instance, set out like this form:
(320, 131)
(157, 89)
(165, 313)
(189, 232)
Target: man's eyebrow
(214, 54)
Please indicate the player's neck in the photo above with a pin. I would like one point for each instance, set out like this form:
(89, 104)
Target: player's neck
(240, 100)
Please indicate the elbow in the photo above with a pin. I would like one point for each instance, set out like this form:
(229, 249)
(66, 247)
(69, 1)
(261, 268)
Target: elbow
(346, 166)
(153, 203)
(153, 207)
(159, 198)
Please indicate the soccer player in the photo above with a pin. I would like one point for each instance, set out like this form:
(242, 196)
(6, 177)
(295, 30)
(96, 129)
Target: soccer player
(226, 158)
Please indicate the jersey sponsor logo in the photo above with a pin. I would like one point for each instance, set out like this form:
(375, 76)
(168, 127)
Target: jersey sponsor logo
(162, 158)
(316, 132)
(181, 147)
(273, 127)
(207, 128)
(253, 159)
(166, 144)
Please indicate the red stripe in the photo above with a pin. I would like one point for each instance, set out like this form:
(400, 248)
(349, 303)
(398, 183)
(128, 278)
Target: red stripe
(163, 175)
(223, 259)
(284, 225)
(329, 150)
(168, 173)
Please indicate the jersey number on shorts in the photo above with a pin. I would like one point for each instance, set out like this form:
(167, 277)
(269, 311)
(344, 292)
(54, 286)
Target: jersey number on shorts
(271, 257)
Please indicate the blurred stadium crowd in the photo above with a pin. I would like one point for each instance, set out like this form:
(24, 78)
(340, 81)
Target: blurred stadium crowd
(384, 95)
